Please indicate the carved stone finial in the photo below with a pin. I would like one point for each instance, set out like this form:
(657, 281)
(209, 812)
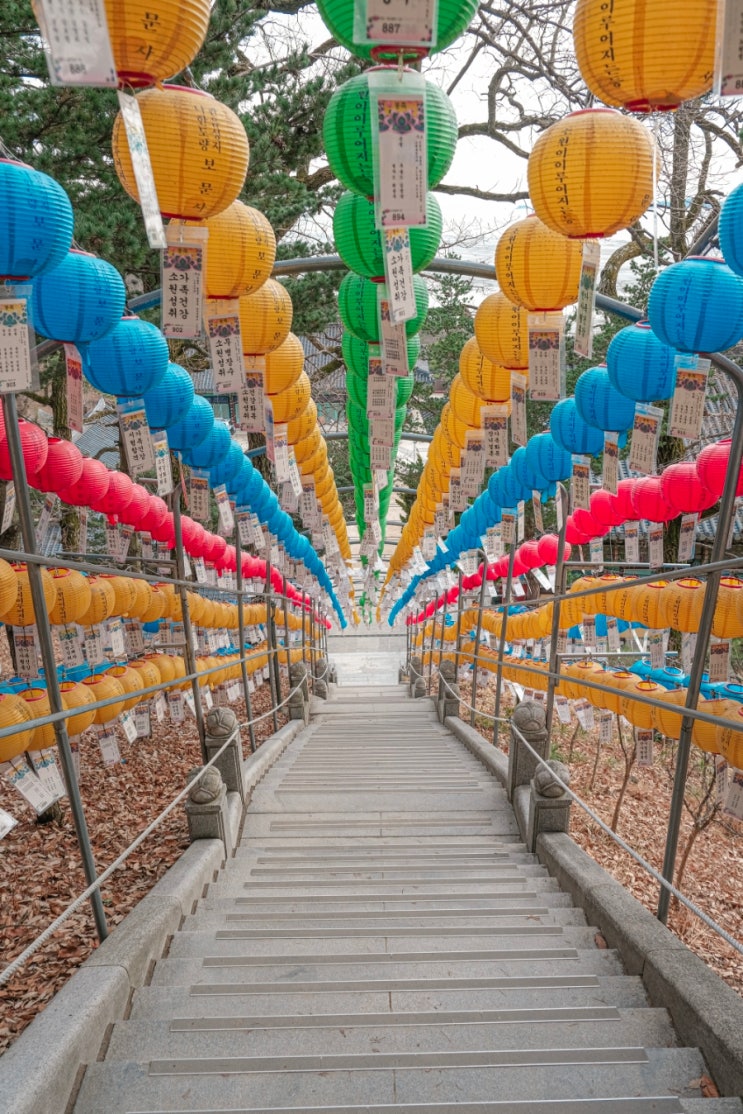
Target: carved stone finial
(529, 717)
(545, 783)
(207, 788)
(448, 671)
(220, 722)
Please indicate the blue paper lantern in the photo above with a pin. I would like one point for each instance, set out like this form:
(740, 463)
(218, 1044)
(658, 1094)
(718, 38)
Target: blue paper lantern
(194, 428)
(229, 467)
(79, 301)
(512, 489)
(697, 306)
(731, 230)
(495, 488)
(548, 459)
(171, 399)
(128, 361)
(525, 475)
(36, 222)
(572, 433)
(640, 366)
(212, 449)
(600, 404)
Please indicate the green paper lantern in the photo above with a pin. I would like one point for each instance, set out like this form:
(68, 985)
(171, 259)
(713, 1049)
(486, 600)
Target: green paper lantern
(349, 139)
(356, 354)
(453, 17)
(359, 309)
(359, 242)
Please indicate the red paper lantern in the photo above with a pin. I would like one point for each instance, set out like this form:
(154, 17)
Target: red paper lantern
(452, 595)
(91, 486)
(62, 468)
(155, 516)
(712, 464)
(217, 547)
(683, 489)
(33, 446)
(648, 500)
(624, 500)
(117, 498)
(587, 524)
(573, 534)
(605, 509)
(192, 533)
(229, 560)
(166, 532)
(547, 546)
(529, 554)
(137, 507)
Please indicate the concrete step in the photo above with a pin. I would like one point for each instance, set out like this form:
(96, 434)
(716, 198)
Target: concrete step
(423, 1079)
(225, 942)
(619, 991)
(463, 934)
(667, 1105)
(177, 1040)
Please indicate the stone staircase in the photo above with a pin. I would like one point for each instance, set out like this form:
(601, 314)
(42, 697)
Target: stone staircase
(381, 941)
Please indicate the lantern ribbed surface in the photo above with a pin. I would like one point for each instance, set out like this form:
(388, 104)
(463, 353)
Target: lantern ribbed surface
(21, 613)
(284, 365)
(600, 404)
(125, 593)
(640, 366)
(102, 601)
(8, 588)
(14, 712)
(546, 458)
(62, 468)
(211, 450)
(36, 222)
(666, 721)
(697, 306)
(728, 619)
(359, 242)
(80, 300)
(305, 448)
(591, 174)
(573, 433)
(265, 318)
(731, 230)
(105, 687)
(141, 599)
(349, 133)
(712, 465)
(536, 267)
(76, 695)
(152, 42)
(131, 682)
(198, 150)
(683, 489)
(37, 701)
(638, 55)
(358, 306)
(128, 361)
(453, 16)
(72, 596)
(117, 497)
(194, 428)
(240, 251)
(501, 329)
(289, 404)
(465, 404)
(228, 467)
(303, 424)
(489, 381)
(92, 485)
(34, 446)
(156, 607)
(169, 401)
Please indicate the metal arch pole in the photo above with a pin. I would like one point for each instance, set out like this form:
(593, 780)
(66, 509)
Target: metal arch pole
(241, 636)
(430, 659)
(271, 640)
(285, 600)
(476, 654)
(502, 638)
(28, 533)
(560, 576)
(460, 611)
(187, 628)
(443, 628)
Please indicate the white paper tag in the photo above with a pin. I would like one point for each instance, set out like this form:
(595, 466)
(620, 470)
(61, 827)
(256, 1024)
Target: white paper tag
(182, 280)
(250, 400)
(15, 346)
(644, 746)
(656, 646)
(23, 779)
(508, 527)
(116, 637)
(74, 387)
(729, 53)
(655, 545)
(135, 433)
(494, 420)
(45, 518)
(225, 346)
(109, 747)
(719, 662)
(48, 772)
(457, 497)
(142, 721)
(583, 344)
(687, 537)
(688, 648)
(643, 457)
(160, 705)
(79, 49)
(198, 495)
(610, 466)
(140, 156)
(398, 270)
(163, 469)
(69, 642)
(734, 799)
(584, 712)
(689, 396)
(472, 471)
(381, 390)
(589, 631)
(93, 642)
(8, 506)
(7, 823)
(518, 408)
(631, 542)
(520, 520)
(562, 707)
(393, 338)
(396, 23)
(126, 719)
(612, 635)
(176, 707)
(546, 355)
(224, 509)
(25, 640)
(399, 143)
(581, 482)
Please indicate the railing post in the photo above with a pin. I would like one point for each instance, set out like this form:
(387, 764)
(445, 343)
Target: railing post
(241, 636)
(285, 600)
(271, 644)
(476, 655)
(443, 628)
(460, 609)
(560, 579)
(186, 616)
(46, 646)
(502, 639)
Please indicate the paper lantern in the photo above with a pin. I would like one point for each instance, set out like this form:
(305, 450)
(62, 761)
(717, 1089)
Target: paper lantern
(705, 735)
(170, 400)
(8, 588)
(359, 242)
(358, 306)
(548, 459)
(103, 686)
(240, 252)
(452, 18)
(91, 487)
(591, 173)
(34, 448)
(712, 464)
(488, 380)
(289, 404)
(625, 505)
(572, 433)
(194, 428)
(211, 450)
(683, 490)
(632, 55)
(697, 305)
(283, 365)
(36, 222)
(37, 701)
(151, 42)
(683, 603)
(537, 268)
(76, 695)
(228, 467)
(501, 329)
(62, 468)
(128, 361)
(731, 230)
(155, 516)
(102, 601)
(728, 618)
(118, 495)
(600, 404)
(198, 150)
(729, 736)
(587, 525)
(130, 681)
(648, 500)
(72, 596)
(125, 593)
(639, 365)
(21, 613)
(156, 606)
(648, 604)
(14, 712)
(605, 509)
(265, 318)
(80, 300)
(641, 715)
(666, 721)
(350, 132)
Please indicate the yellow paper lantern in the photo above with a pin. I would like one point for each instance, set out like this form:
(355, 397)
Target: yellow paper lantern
(706, 735)
(14, 712)
(154, 41)
(683, 602)
(537, 268)
(141, 599)
(72, 592)
(648, 604)
(22, 614)
(76, 695)
(289, 404)
(37, 701)
(465, 405)
(641, 715)
(125, 593)
(148, 672)
(284, 366)
(730, 736)
(198, 150)
(502, 332)
(240, 251)
(8, 588)
(102, 600)
(591, 174)
(643, 56)
(164, 666)
(157, 607)
(131, 682)
(265, 318)
(666, 721)
(619, 680)
(303, 425)
(728, 620)
(487, 380)
(105, 687)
